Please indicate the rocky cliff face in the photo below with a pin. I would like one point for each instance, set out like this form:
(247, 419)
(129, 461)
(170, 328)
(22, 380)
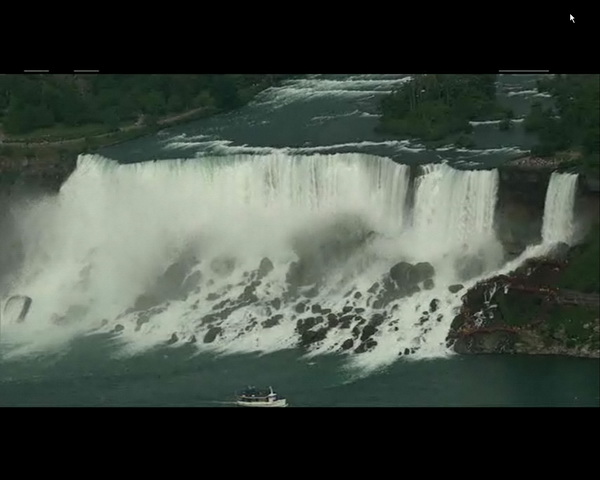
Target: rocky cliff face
(526, 313)
(46, 174)
(520, 207)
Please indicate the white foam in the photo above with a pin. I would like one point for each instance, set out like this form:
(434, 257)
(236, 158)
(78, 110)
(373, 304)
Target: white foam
(522, 92)
(114, 229)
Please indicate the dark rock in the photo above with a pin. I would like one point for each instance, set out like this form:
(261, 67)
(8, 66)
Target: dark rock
(276, 303)
(348, 344)
(141, 320)
(332, 320)
(212, 296)
(433, 305)
(455, 288)
(347, 309)
(428, 284)
(355, 332)
(421, 271)
(359, 310)
(247, 293)
(305, 324)
(388, 285)
(212, 334)
(376, 320)
(412, 289)
(118, 328)
(220, 305)
(326, 311)
(192, 339)
(457, 323)
(400, 272)
(316, 308)
(406, 351)
(365, 346)
(308, 337)
(368, 331)
(373, 288)
(346, 321)
(357, 295)
(300, 308)
(223, 314)
(174, 339)
(486, 342)
(265, 267)
(209, 318)
(271, 322)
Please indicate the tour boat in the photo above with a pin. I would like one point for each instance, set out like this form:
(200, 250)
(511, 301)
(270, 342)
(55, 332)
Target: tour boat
(252, 397)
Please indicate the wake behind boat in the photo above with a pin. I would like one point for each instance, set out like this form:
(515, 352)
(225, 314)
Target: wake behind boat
(252, 397)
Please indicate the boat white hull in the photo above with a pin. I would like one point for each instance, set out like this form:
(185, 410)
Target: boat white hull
(277, 403)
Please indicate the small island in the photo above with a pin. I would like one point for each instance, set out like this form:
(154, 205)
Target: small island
(437, 109)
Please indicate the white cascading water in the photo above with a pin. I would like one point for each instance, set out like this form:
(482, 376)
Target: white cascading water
(96, 253)
(558, 225)
(456, 206)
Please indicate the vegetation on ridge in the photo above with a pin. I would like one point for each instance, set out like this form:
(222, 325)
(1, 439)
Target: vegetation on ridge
(572, 123)
(436, 107)
(97, 103)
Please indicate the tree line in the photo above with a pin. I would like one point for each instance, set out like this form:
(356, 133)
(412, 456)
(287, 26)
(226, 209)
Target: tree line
(573, 121)
(433, 107)
(30, 102)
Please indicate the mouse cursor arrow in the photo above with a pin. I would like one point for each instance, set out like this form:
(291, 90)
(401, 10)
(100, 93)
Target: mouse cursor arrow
(572, 18)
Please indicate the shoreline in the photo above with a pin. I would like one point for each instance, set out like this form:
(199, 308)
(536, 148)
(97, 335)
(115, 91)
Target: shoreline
(140, 127)
(529, 311)
(47, 162)
(532, 162)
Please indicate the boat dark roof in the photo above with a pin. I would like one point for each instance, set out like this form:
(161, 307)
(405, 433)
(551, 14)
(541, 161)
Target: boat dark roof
(254, 392)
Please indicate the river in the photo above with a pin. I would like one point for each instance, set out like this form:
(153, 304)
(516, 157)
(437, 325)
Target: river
(177, 282)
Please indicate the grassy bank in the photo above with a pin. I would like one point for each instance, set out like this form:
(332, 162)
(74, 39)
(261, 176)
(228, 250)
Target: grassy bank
(581, 273)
